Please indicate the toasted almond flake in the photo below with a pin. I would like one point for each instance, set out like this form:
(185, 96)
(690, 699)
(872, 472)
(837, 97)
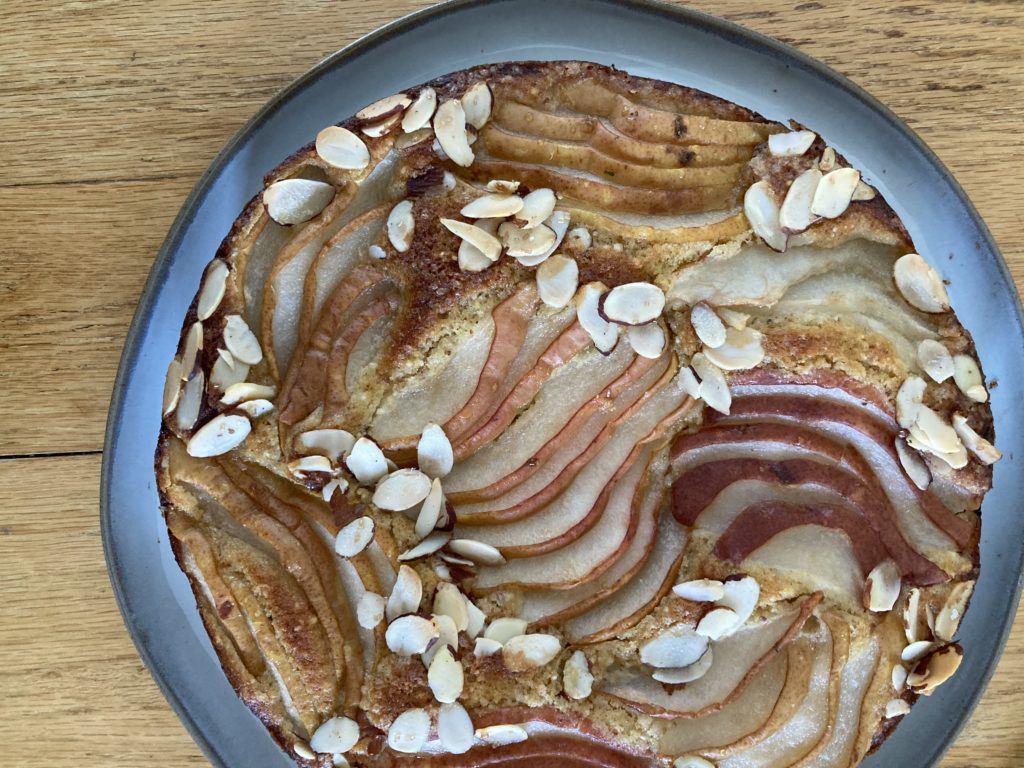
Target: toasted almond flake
(526, 243)
(376, 252)
(741, 595)
(341, 148)
(947, 622)
(935, 669)
(558, 223)
(366, 461)
(303, 751)
(713, 387)
(633, 303)
(293, 201)
(687, 674)
(339, 734)
(449, 601)
(791, 144)
(475, 620)
(454, 560)
(409, 732)
(401, 226)
(864, 192)
(577, 681)
(476, 102)
(190, 402)
(526, 652)
(741, 351)
(899, 678)
(193, 345)
(241, 341)
(493, 206)
(332, 443)
(935, 359)
(919, 284)
(212, 292)
(967, 376)
(732, 318)
(919, 440)
(303, 467)
(450, 129)
(256, 408)
(912, 463)
(383, 109)
(454, 728)
(795, 214)
(834, 193)
(445, 676)
(246, 390)
(604, 333)
(896, 708)
(579, 237)
(370, 610)
(486, 243)
(401, 490)
(354, 537)
(985, 452)
(428, 546)
(477, 551)
(908, 401)
(717, 624)
(692, 761)
(471, 258)
(503, 186)
(382, 128)
(937, 433)
(420, 111)
(430, 511)
(485, 646)
(557, 279)
(410, 634)
(700, 590)
(707, 325)
(434, 454)
(537, 207)
(883, 586)
(504, 629)
(648, 340)
(172, 386)
(447, 636)
(689, 383)
(912, 626)
(678, 646)
(225, 372)
(502, 735)
(405, 595)
(762, 212)
(827, 161)
(219, 435)
(916, 650)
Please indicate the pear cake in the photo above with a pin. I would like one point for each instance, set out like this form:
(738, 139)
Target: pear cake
(546, 415)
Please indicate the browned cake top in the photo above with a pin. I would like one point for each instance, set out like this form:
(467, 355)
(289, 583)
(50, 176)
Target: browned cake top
(546, 415)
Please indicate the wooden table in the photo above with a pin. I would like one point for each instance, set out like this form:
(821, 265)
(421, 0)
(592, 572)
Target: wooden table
(110, 111)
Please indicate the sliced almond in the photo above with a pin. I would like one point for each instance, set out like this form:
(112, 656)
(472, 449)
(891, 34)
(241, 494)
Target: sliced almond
(935, 669)
(332, 443)
(420, 111)
(190, 402)
(833, 195)
(579, 237)
(455, 560)
(504, 629)
(700, 590)
(525, 652)
(401, 490)
(485, 647)
(366, 461)
(494, 206)
(190, 352)
(718, 623)
(967, 376)
(450, 129)
(409, 732)
(447, 637)
(864, 192)
(486, 243)
(219, 435)
(430, 511)
(896, 708)
(256, 408)
(370, 610)
(707, 325)
(899, 678)
(557, 279)
(633, 303)
(241, 341)
(689, 383)
(409, 635)
(354, 537)
(476, 104)
(246, 390)
(475, 619)
(795, 214)
(827, 161)
(401, 226)
(172, 386)
(938, 434)
(383, 108)
(449, 601)
(912, 463)
(293, 201)
(883, 586)
(604, 333)
(428, 546)
(935, 359)
(303, 751)
(687, 674)
(985, 452)
(733, 318)
(477, 551)
(382, 128)
(577, 680)
(714, 390)
(741, 595)
(648, 340)
(503, 186)
(337, 484)
(791, 144)
(741, 351)
(445, 676)
(225, 373)
(502, 735)
(434, 454)
(341, 148)
(307, 465)
(762, 212)
(679, 646)
(454, 729)
(405, 595)
(536, 208)
(908, 400)
(526, 243)
(948, 620)
(214, 284)
(912, 624)
(916, 650)
(558, 223)
(919, 284)
(339, 734)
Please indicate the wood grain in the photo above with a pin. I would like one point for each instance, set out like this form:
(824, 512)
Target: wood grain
(110, 111)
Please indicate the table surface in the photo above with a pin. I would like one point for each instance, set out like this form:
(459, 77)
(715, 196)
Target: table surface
(110, 111)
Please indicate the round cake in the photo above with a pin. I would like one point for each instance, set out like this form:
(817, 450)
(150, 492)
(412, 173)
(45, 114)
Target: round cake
(543, 415)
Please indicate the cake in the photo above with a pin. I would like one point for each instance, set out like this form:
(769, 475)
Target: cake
(547, 415)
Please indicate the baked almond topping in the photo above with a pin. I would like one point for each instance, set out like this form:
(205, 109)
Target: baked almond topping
(833, 194)
(401, 226)
(339, 734)
(648, 340)
(680, 646)
(383, 109)
(502, 735)
(409, 732)
(632, 304)
(557, 279)
(604, 333)
(454, 728)
(524, 243)
(968, 379)
(418, 114)
(450, 129)
(366, 461)
(762, 211)
(577, 681)
(354, 537)
(340, 148)
(707, 325)
(214, 285)
(796, 215)
(485, 242)
(476, 103)
(219, 435)
(537, 207)
(700, 590)
(791, 144)
(919, 284)
(405, 595)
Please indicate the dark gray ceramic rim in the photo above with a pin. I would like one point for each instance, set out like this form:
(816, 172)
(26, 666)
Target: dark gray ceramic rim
(988, 624)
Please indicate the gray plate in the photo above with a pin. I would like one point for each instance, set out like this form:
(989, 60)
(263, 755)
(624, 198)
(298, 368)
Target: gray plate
(658, 41)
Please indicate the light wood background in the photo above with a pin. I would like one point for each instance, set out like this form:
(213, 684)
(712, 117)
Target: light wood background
(109, 112)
